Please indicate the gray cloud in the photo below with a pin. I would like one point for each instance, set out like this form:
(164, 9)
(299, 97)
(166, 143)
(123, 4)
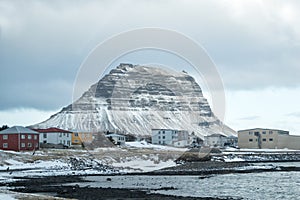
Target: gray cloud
(42, 43)
(294, 114)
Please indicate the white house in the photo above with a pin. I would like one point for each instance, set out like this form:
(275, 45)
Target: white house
(55, 136)
(118, 139)
(215, 140)
(178, 138)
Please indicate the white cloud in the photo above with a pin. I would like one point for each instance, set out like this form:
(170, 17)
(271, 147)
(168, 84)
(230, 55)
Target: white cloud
(270, 106)
(23, 117)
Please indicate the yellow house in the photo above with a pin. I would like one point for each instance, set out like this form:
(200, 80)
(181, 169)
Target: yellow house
(81, 137)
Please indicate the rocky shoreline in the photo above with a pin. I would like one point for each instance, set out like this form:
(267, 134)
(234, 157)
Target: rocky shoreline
(54, 185)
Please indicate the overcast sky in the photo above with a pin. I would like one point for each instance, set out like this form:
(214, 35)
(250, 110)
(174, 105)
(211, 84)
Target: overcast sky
(254, 44)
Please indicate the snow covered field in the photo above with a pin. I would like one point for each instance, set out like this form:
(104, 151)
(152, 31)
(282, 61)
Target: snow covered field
(134, 157)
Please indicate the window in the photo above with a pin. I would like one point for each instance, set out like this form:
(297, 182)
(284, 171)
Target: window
(64, 134)
(68, 143)
(163, 132)
(158, 137)
(35, 137)
(270, 139)
(29, 137)
(264, 132)
(45, 135)
(29, 145)
(158, 142)
(270, 132)
(163, 137)
(67, 134)
(250, 133)
(23, 145)
(76, 141)
(5, 145)
(60, 134)
(264, 139)
(5, 137)
(250, 140)
(76, 134)
(22, 136)
(45, 142)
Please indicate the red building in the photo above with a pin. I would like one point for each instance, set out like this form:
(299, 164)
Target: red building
(19, 138)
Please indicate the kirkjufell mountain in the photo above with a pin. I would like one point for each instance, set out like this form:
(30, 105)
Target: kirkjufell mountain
(133, 99)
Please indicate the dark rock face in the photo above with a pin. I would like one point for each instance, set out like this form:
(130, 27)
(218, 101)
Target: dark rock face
(135, 99)
(153, 89)
(105, 87)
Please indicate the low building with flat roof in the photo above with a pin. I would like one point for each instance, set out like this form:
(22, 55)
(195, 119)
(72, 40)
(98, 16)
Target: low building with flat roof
(262, 138)
(215, 140)
(117, 138)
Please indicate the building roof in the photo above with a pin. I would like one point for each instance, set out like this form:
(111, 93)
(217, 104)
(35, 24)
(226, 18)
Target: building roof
(215, 135)
(18, 130)
(161, 129)
(52, 130)
(81, 131)
(166, 129)
(114, 135)
(267, 129)
(232, 136)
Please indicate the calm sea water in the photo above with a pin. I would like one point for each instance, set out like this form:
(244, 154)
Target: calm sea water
(266, 185)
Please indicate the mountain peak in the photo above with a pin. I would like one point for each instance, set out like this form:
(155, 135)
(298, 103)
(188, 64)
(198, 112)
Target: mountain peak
(134, 99)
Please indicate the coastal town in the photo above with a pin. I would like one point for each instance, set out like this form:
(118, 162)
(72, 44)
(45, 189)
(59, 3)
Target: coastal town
(149, 100)
(52, 155)
(19, 138)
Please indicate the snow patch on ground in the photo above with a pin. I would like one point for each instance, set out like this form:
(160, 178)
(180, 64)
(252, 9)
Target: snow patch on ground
(54, 164)
(235, 159)
(144, 144)
(143, 165)
(6, 196)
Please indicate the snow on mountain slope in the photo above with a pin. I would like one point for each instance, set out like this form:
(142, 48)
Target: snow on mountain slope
(134, 99)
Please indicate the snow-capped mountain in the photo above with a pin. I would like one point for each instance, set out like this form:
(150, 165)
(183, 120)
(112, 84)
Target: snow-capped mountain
(134, 99)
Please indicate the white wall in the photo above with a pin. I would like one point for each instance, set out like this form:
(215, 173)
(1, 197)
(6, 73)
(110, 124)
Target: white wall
(56, 138)
(162, 136)
(170, 137)
(215, 141)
